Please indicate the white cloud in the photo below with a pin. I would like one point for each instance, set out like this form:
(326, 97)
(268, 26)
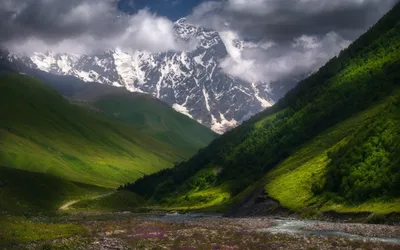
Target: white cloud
(285, 38)
(272, 62)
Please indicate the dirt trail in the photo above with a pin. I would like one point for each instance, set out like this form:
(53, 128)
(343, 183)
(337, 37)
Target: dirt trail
(67, 205)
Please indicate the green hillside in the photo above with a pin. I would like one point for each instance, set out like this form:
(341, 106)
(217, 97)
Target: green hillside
(304, 180)
(331, 143)
(147, 114)
(156, 119)
(40, 131)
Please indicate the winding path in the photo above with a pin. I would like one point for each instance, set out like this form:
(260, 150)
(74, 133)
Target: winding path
(67, 205)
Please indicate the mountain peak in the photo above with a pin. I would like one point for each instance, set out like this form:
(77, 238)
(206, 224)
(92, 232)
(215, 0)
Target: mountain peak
(190, 81)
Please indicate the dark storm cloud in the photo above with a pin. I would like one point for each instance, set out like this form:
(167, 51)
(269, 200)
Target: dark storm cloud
(81, 26)
(281, 20)
(54, 20)
(301, 35)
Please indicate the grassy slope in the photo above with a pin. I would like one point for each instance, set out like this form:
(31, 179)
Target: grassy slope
(40, 131)
(147, 114)
(157, 120)
(291, 181)
(16, 230)
(296, 134)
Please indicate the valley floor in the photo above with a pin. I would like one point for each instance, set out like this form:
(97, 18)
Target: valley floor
(133, 231)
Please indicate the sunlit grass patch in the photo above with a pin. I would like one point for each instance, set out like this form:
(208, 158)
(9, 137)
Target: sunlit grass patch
(197, 200)
(377, 206)
(17, 230)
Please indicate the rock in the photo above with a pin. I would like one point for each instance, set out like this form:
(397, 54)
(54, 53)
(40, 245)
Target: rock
(258, 203)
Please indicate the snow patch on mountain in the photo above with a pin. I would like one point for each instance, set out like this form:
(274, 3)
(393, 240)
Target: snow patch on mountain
(257, 95)
(222, 125)
(193, 82)
(182, 109)
(49, 61)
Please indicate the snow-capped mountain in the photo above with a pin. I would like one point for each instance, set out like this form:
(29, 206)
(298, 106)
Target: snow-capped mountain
(190, 81)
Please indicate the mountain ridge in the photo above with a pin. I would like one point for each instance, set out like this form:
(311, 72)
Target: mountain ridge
(189, 81)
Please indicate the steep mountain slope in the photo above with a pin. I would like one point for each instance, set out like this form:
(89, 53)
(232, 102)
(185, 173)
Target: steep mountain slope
(147, 114)
(307, 178)
(315, 157)
(191, 82)
(41, 131)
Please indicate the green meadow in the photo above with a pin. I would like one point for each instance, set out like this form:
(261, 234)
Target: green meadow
(63, 151)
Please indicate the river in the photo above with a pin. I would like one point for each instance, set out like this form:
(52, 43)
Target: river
(290, 226)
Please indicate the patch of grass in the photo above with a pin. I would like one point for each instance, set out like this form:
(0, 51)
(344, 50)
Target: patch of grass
(209, 199)
(377, 206)
(204, 199)
(19, 230)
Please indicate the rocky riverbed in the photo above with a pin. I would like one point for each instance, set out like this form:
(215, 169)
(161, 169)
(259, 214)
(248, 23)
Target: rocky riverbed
(174, 231)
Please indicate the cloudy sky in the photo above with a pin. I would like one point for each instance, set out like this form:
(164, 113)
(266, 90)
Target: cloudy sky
(284, 37)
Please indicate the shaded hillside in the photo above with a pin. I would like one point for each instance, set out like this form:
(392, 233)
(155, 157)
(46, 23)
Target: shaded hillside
(360, 78)
(22, 191)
